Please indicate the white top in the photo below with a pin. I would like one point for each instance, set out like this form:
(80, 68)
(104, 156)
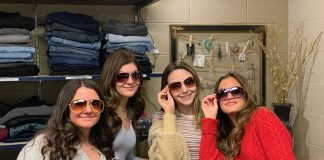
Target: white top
(32, 151)
(124, 144)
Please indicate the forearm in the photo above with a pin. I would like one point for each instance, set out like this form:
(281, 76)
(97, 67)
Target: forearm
(208, 145)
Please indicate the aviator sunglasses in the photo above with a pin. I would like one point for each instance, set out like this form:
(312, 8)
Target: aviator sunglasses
(123, 77)
(236, 92)
(176, 86)
(79, 105)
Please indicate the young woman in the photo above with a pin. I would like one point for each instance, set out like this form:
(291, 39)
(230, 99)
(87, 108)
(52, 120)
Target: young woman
(121, 81)
(175, 133)
(77, 129)
(241, 130)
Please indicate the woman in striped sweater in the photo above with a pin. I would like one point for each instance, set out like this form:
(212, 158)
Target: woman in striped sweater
(175, 132)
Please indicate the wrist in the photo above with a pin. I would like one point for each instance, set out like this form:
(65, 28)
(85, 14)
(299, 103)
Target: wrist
(170, 111)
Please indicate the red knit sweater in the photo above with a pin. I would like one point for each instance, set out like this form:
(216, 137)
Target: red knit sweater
(265, 137)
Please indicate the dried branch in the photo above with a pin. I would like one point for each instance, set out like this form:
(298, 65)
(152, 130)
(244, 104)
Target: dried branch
(286, 74)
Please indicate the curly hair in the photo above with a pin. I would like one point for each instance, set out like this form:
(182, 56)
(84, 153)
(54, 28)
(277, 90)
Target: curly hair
(229, 136)
(196, 109)
(62, 135)
(135, 104)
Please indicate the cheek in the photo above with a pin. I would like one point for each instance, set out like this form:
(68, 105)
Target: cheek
(73, 117)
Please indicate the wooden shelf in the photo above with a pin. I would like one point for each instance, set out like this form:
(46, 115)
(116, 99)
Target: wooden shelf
(138, 3)
(63, 77)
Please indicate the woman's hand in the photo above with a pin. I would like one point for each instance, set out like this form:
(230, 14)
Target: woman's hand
(165, 100)
(209, 106)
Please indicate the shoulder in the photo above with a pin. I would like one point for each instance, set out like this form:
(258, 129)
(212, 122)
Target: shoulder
(265, 117)
(38, 140)
(261, 111)
(32, 150)
(157, 116)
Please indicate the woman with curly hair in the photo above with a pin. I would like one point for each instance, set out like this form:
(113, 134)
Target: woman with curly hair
(77, 129)
(235, 128)
(175, 132)
(121, 81)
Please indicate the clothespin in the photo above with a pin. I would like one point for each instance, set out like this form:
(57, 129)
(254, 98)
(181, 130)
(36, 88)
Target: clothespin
(211, 37)
(226, 44)
(242, 55)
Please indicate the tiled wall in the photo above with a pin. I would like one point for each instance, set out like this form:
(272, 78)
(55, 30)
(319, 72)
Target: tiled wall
(309, 126)
(165, 12)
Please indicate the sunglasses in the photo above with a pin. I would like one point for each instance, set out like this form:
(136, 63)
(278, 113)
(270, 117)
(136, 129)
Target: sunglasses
(123, 77)
(176, 86)
(79, 105)
(236, 92)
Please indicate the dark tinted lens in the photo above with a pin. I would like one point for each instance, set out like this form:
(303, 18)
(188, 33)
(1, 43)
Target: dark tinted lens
(122, 77)
(97, 105)
(136, 76)
(237, 92)
(78, 105)
(175, 86)
(190, 82)
(221, 95)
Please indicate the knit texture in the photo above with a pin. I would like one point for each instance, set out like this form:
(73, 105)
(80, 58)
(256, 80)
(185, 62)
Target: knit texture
(265, 137)
(166, 142)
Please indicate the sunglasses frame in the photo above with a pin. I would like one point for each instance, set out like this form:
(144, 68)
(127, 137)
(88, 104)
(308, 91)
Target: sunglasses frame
(229, 90)
(85, 106)
(123, 80)
(178, 88)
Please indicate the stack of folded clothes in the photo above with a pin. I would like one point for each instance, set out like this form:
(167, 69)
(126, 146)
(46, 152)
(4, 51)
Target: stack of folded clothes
(16, 55)
(128, 35)
(21, 121)
(73, 44)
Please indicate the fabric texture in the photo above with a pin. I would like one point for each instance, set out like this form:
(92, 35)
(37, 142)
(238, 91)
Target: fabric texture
(124, 144)
(166, 142)
(265, 137)
(32, 151)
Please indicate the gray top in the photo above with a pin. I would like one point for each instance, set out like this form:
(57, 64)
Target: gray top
(124, 144)
(32, 151)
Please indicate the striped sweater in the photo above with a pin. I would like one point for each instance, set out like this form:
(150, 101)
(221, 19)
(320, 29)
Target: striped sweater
(176, 130)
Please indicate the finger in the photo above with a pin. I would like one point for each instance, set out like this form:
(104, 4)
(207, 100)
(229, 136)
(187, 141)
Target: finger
(165, 89)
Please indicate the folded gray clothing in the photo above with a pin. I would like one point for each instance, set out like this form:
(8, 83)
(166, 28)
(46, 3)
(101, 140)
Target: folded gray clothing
(42, 110)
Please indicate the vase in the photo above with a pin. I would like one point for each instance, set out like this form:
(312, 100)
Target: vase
(283, 112)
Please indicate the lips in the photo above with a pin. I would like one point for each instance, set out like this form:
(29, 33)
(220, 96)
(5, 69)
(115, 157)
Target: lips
(230, 103)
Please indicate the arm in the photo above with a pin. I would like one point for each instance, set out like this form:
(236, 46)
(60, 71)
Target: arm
(208, 145)
(164, 142)
(275, 139)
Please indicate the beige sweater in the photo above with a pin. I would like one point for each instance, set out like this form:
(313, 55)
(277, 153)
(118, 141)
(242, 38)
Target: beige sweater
(166, 142)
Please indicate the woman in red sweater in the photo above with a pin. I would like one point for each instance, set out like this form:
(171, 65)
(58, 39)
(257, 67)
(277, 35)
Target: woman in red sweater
(241, 130)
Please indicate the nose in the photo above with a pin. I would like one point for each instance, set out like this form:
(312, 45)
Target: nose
(88, 108)
(184, 88)
(130, 79)
(229, 96)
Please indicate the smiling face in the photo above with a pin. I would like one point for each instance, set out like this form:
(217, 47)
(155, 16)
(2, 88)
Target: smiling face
(87, 118)
(231, 105)
(185, 96)
(128, 88)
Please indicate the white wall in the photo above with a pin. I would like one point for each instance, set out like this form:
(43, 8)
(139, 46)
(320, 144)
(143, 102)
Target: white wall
(309, 126)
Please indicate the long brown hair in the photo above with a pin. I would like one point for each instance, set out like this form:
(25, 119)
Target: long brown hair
(62, 136)
(196, 109)
(229, 136)
(135, 104)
